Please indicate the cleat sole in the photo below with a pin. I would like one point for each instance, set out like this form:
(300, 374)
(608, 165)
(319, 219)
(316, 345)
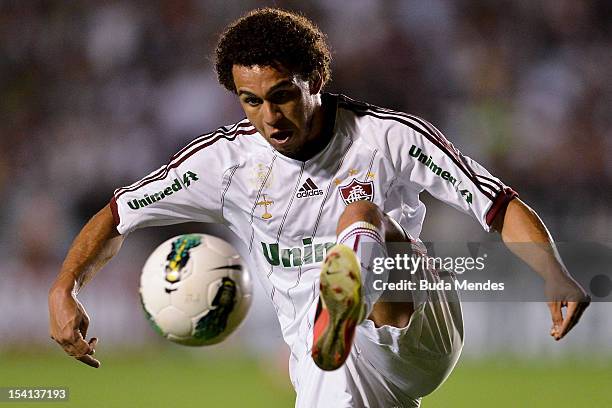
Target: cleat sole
(342, 308)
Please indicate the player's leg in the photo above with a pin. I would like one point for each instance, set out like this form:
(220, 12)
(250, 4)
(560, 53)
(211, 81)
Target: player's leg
(395, 313)
(404, 350)
(418, 358)
(362, 231)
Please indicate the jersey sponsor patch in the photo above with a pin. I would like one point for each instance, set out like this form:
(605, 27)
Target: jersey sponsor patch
(356, 191)
(428, 162)
(177, 185)
(309, 189)
(308, 253)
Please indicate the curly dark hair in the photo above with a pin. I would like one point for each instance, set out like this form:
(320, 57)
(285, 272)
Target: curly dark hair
(276, 38)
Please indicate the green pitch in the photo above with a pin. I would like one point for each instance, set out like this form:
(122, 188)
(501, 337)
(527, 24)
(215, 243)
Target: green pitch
(179, 378)
(510, 383)
(162, 378)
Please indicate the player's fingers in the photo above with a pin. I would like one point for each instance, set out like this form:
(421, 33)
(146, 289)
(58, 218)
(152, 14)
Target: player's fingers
(89, 360)
(93, 342)
(83, 351)
(77, 347)
(574, 312)
(571, 309)
(84, 325)
(556, 316)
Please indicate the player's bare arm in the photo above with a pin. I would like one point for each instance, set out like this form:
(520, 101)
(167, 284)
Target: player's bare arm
(93, 247)
(518, 225)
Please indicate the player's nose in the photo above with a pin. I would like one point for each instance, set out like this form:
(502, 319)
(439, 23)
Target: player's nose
(271, 114)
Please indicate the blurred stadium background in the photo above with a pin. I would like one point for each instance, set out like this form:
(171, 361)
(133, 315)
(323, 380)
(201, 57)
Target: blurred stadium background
(95, 94)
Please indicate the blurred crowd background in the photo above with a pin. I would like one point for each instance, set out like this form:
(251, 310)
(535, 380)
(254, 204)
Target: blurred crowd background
(96, 94)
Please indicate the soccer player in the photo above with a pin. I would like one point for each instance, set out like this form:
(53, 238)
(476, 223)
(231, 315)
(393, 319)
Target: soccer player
(315, 184)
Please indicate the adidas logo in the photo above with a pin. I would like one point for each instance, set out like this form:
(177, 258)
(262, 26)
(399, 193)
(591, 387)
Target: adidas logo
(309, 189)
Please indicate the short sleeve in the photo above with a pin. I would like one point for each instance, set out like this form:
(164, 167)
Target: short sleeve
(186, 189)
(422, 156)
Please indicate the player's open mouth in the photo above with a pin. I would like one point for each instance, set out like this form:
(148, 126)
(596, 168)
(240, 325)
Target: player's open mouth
(281, 136)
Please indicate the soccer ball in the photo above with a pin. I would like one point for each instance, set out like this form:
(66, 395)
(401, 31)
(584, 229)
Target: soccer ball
(195, 289)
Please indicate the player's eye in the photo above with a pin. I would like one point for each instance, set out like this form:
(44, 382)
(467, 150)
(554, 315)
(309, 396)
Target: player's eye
(281, 96)
(252, 101)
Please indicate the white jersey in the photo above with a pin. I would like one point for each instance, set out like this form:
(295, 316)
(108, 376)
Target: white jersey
(285, 210)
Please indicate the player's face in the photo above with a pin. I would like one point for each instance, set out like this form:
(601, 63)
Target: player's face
(280, 105)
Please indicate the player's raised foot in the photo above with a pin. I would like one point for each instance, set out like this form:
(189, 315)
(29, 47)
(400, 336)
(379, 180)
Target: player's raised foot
(341, 308)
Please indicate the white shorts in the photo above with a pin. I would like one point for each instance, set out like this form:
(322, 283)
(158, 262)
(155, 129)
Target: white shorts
(389, 366)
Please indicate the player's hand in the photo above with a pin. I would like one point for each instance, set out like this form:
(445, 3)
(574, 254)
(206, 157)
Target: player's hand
(68, 323)
(565, 293)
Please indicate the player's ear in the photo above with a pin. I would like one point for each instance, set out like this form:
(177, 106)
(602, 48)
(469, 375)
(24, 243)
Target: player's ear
(315, 83)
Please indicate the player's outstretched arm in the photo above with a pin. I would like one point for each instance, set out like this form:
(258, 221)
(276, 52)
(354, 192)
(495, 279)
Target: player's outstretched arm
(95, 245)
(518, 225)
